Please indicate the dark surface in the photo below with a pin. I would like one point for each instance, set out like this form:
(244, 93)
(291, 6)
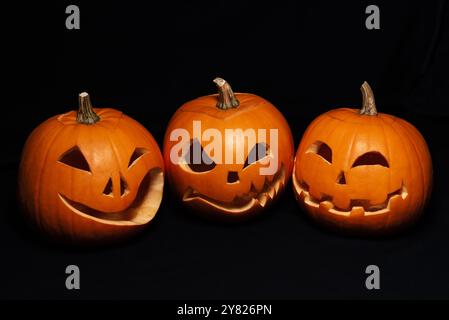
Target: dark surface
(146, 60)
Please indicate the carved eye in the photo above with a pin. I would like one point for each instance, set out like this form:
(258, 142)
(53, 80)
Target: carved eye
(322, 149)
(259, 151)
(75, 158)
(137, 154)
(197, 159)
(371, 158)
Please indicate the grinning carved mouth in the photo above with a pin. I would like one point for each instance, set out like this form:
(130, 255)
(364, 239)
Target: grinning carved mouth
(245, 201)
(141, 211)
(357, 206)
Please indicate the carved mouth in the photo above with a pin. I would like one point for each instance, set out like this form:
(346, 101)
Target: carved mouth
(357, 206)
(244, 201)
(141, 211)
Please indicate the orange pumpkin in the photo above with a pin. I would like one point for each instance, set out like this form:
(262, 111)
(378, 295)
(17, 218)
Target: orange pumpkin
(228, 189)
(95, 175)
(362, 171)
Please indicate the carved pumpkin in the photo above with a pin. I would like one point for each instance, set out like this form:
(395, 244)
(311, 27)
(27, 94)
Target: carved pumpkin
(95, 175)
(362, 171)
(229, 189)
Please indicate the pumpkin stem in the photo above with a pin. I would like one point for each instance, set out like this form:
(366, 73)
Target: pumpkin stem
(86, 114)
(369, 104)
(226, 97)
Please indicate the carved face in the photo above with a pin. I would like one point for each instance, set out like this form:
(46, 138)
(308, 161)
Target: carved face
(362, 173)
(93, 182)
(226, 188)
(237, 187)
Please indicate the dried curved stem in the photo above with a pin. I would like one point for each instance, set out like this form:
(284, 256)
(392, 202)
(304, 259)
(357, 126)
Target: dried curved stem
(226, 97)
(86, 114)
(369, 104)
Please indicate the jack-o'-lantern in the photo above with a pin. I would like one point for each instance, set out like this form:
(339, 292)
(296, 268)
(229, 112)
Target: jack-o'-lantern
(361, 171)
(249, 164)
(91, 176)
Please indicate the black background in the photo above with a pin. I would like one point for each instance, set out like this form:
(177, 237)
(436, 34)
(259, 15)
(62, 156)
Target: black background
(146, 59)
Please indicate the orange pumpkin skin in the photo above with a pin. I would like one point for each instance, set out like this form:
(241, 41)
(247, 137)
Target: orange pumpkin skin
(378, 179)
(75, 204)
(214, 197)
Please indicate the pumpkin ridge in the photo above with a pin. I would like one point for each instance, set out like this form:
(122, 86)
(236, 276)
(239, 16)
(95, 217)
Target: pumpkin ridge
(392, 196)
(387, 146)
(417, 152)
(38, 197)
(42, 177)
(328, 134)
(254, 113)
(409, 152)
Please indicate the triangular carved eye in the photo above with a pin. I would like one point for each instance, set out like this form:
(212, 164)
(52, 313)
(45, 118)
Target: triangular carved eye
(75, 158)
(197, 159)
(259, 151)
(138, 152)
(370, 159)
(321, 149)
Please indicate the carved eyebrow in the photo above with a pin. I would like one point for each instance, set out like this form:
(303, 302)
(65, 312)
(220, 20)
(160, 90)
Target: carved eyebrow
(371, 158)
(322, 149)
(138, 152)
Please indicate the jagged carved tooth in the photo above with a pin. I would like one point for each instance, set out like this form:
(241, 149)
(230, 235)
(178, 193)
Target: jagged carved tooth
(300, 192)
(277, 186)
(263, 198)
(271, 192)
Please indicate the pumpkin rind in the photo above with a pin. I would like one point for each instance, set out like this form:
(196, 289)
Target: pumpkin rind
(218, 198)
(48, 187)
(373, 198)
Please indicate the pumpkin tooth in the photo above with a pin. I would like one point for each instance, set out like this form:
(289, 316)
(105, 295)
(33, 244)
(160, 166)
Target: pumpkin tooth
(404, 192)
(302, 195)
(271, 192)
(277, 186)
(326, 205)
(357, 212)
(262, 199)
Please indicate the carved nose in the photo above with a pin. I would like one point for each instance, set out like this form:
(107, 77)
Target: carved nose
(109, 188)
(233, 176)
(123, 186)
(341, 179)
